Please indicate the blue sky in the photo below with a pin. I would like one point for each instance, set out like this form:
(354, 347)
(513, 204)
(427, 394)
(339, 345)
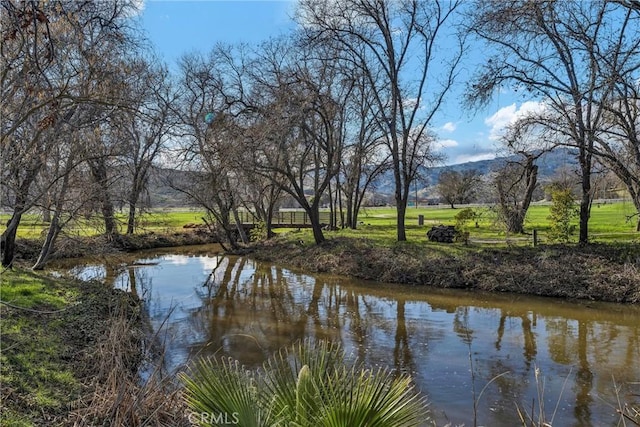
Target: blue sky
(179, 27)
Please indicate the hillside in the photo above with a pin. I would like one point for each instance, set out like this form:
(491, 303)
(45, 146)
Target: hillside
(548, 163)
(162, 195)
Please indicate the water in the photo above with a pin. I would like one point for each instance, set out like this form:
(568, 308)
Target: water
(580, 357)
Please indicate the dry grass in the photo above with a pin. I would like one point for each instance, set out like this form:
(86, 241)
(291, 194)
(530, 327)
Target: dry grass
(118, 396)
(602, 272)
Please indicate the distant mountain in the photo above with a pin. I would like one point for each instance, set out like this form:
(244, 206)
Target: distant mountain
(162, 195)
(548, 163)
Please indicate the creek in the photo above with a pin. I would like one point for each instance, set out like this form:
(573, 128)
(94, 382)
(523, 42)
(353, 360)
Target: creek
(581, 359)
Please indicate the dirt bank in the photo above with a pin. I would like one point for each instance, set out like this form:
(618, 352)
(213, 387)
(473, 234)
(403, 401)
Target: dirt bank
(600, 272)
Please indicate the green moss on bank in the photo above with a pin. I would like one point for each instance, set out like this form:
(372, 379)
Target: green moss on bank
(49, 328)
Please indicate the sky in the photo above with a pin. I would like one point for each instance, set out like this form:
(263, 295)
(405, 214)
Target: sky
(177, 27)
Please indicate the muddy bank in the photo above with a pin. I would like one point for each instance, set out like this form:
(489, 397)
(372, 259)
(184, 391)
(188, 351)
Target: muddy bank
(27, 250)
(596, 272)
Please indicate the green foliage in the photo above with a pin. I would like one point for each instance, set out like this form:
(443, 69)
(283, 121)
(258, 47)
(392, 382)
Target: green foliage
(304, 385)
(463, 217)
(561, 214)
(258, 232)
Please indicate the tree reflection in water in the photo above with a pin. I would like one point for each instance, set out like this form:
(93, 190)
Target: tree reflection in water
(236, 307)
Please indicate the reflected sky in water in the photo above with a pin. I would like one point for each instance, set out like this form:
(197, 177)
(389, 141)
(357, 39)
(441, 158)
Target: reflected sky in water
(451, 342)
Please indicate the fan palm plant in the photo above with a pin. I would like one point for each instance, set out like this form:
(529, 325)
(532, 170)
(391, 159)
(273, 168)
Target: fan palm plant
(306, 385)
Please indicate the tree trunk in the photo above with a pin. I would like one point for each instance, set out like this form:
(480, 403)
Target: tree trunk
(134, 196)
(585, 201)
(131, 220)
(108, 213)
(239, 226)
(8, 239)
(314, 217)
(515, 220)
(46, 215)
(636, 203)
(402, 197)
(401, 209)
(339, 198)
(47, 247)
(351, 223)
(55, 226)
(100, 176)
(230, 237)
(354, 217)
(269, 222)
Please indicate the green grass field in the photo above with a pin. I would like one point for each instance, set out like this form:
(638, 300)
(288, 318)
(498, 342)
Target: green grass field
(32, 225)
(608, 224)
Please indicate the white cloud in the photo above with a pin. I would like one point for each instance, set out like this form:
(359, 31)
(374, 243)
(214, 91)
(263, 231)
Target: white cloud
(209, 264)
(445, 143)
(449, 127)
(176, 259)
(508, 115)
(136, 7)
(410, 103)
(463, 158)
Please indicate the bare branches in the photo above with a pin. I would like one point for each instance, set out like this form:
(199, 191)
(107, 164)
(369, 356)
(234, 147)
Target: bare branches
(382, 41)
(565, 54)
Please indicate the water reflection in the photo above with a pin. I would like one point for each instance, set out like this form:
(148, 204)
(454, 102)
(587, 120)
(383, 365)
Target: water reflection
(236, 307)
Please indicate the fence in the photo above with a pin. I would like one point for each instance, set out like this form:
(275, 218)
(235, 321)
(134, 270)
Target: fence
(293, 218)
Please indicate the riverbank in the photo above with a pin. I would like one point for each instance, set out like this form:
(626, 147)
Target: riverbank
(71, 353)
(602, 272)
(27, 250)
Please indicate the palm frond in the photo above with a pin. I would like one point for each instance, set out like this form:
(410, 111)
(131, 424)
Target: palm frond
(307, 385)
(220, 390)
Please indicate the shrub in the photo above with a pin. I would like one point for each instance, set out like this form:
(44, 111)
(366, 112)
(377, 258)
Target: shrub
(562, 212)
(304, 385)
(464, 216)
(258, 232)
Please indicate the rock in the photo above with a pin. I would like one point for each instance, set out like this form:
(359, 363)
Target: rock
(442, 233)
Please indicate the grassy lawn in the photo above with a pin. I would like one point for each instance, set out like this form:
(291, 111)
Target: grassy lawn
(32, 226)
(608, 224)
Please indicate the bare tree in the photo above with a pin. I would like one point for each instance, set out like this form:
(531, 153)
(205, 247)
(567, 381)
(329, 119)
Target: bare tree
(297, 139)
(459, 187)
(211, 138)
(618, 144)
(400, 40)
(68, 194)
(144, 129)
(515, 184)
(50, 57)
(30, 107)
(551, 51)
(364, 155)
